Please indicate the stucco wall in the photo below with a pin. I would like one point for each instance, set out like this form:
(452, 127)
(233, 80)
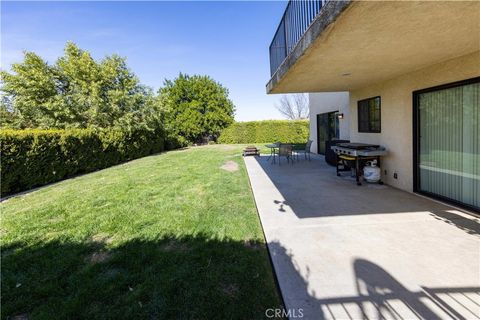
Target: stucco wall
(396, 112)
(375, 41)
(328, 102)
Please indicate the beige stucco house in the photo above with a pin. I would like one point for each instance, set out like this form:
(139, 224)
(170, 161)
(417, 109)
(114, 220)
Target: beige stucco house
(326, 109)
(411, 70)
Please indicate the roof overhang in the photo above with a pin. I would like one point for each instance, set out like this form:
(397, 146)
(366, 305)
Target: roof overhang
(367, 42)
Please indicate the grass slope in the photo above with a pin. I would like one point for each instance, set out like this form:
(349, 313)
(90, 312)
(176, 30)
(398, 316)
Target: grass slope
(166, 236)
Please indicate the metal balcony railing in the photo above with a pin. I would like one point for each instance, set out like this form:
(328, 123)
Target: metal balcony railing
(296, 19)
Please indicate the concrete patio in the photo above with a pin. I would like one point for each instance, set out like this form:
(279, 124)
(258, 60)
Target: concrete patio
(346, 252)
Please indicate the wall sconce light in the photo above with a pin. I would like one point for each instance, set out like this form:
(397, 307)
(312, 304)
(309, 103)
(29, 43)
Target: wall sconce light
(340, 116)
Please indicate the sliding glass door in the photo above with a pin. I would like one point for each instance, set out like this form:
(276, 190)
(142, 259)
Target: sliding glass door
(448, 142)
(327, 129)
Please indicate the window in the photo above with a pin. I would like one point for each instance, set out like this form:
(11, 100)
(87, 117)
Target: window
(447, 148)
(369, 115)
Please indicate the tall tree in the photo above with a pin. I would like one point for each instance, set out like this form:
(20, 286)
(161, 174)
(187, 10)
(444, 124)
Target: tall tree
(294, 107)
(76, 91)
(31, 92)
(196, 107)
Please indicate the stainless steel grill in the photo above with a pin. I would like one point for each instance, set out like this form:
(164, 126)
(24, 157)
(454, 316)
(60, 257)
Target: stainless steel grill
(359, 150)
(354, 155)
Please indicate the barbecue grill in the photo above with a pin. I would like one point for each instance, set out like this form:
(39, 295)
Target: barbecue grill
(354, 155)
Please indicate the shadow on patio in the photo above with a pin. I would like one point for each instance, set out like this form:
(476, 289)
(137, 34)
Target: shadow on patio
(379, 295)
(341, 251)
(311, 189)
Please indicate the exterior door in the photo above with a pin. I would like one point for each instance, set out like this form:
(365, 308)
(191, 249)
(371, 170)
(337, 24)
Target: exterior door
(327, 129)
(447, 136)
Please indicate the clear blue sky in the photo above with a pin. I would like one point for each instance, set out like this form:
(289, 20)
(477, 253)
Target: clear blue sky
(226, 40)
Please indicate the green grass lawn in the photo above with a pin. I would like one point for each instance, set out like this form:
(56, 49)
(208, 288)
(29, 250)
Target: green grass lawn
(166, 236)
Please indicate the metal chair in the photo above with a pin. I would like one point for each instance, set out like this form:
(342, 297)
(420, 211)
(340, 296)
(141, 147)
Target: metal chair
(306, 150)
(285, 150)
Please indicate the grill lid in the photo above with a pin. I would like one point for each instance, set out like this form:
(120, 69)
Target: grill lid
(358, 146)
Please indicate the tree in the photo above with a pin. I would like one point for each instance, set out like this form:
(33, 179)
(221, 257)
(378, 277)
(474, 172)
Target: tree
(294, 107)
(196, 107)
(8, 118)
(76, 91)
(30, 92)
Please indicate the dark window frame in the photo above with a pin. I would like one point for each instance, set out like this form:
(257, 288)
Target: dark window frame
(359, 120)
(416, 141)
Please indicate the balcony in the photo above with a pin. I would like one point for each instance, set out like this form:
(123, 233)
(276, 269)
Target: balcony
(298, 16)
(326, 46)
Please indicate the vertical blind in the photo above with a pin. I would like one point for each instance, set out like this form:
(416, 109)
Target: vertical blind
(449, 157)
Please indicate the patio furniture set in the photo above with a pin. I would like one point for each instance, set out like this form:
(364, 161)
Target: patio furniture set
(290, 151)
(362, 160)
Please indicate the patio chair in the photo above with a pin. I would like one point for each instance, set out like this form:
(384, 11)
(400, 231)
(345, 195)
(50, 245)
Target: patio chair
(306, 151)
(296, 148)
(285, 150)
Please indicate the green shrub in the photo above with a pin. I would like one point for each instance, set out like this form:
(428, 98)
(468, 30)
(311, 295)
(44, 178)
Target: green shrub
(266, 131)
(31, 158)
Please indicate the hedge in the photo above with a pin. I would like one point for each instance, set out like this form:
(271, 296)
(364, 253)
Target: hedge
(266, 131)
(31, 158)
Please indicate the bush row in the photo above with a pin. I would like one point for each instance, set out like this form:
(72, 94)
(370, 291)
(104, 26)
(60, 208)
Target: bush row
(31, 158)
(266, 131)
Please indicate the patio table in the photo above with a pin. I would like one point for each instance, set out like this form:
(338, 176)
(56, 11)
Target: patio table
(272, 147)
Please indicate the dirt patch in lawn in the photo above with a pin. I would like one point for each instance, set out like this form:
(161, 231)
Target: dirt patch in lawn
(56, 219)
(230, 166)
(98, 257)
(101, 239)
